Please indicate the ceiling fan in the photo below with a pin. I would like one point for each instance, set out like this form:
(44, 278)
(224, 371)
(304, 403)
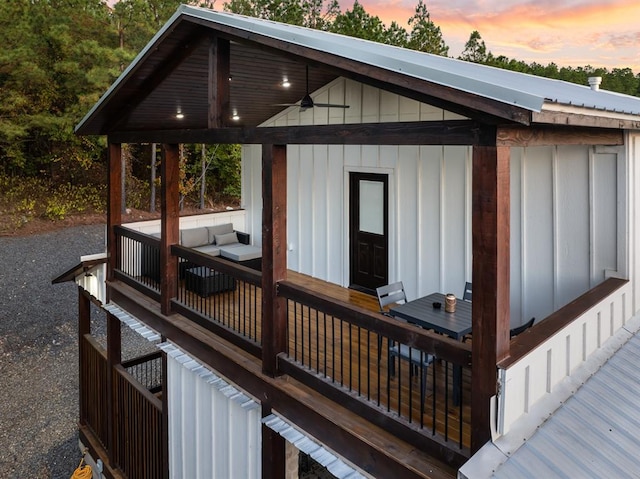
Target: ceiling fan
(307, 102)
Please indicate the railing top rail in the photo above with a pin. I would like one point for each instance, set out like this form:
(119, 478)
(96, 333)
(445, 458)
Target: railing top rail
(136, 235)
(443, 347)
(526, 342)
(142, 359)
(236, 270)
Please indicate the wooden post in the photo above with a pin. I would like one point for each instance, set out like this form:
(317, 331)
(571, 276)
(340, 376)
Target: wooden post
(273, 451)
(114, 205)
(114, 357)
(274, 254)
(219, 77)
(84, 327)
(491, 237)
(169, 224)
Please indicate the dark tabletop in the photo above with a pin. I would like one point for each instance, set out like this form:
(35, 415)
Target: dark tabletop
(422, 313)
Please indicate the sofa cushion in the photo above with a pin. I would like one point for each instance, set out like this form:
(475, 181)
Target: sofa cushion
(240, 252)
(193, 237)
(228, 238)
(210, 249)
(219, 230)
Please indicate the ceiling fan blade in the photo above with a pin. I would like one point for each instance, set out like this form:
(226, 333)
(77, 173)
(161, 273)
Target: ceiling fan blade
(307, 102)
(330, 105)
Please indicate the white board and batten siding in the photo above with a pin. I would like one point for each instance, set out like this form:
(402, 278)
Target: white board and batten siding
(565, 229)
(214, 428)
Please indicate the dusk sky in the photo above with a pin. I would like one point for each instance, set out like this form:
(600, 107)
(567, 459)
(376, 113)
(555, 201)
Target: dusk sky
(567, 32)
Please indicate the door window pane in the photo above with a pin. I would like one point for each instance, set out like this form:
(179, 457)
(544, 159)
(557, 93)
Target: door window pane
(371, 207)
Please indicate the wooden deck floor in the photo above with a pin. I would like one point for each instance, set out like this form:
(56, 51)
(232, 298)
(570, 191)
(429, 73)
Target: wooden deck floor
(349, 357)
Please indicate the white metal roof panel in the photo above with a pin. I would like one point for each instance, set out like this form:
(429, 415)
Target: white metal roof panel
(595, 434)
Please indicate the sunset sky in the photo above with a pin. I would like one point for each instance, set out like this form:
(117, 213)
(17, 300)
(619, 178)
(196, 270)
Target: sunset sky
(567, 32)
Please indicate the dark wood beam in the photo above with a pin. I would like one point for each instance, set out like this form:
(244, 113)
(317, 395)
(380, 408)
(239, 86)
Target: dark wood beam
(451, 132)
(114, 204)
(169, 223)
(273, 451)
(490, 312)
(219, 91)
(274, 254)
(547, 135)
(576, 119)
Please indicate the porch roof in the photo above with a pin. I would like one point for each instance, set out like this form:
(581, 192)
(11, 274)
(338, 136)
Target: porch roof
(594, 434)
(174, 71)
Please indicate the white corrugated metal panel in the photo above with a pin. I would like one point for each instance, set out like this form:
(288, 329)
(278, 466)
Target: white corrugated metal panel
(214, 428)
(143, 330)
(594, 434)
(311, 447)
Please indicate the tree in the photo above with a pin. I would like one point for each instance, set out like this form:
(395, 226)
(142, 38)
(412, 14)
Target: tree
(425, 36)
(307, 13)
(474, 50)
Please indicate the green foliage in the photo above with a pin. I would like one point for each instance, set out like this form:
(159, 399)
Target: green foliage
(425, 35)
(475, 49)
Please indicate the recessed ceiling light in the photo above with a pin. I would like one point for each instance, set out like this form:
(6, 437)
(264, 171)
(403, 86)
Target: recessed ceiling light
(235, 117)
(179, 116)
(286, 83)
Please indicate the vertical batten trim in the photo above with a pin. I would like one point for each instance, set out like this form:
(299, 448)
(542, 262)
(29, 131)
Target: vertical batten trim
(592, 217)
(554, 225)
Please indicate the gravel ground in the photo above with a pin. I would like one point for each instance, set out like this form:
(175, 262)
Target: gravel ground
(39, 352)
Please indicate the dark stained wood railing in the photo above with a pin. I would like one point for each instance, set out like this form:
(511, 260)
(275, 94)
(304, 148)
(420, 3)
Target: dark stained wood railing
(93, 394)
(138, 435)
(138, 261)
(221, 296)
(341, 350)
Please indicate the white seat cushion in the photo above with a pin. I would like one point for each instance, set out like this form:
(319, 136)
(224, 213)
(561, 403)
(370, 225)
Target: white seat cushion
(210, 249)
(240, 252)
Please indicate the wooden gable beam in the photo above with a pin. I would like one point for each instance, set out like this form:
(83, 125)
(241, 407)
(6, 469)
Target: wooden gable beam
(549, 135)
(219, 91)
(451, 132)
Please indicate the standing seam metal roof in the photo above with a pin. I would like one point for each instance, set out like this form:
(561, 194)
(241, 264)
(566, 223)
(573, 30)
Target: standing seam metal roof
(594, 434)
(509, 87)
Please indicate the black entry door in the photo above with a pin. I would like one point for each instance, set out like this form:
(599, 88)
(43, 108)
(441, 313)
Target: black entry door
(368, 231)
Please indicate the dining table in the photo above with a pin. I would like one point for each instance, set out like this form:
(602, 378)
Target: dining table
(424, 312)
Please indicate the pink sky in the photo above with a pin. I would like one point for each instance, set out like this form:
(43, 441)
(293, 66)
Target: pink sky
(567, 32)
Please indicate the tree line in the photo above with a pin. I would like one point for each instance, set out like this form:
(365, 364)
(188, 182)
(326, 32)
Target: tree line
(59, 56)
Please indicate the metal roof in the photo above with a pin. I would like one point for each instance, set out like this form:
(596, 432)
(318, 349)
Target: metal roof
(594, 434)
(138, 98)
(506, 86)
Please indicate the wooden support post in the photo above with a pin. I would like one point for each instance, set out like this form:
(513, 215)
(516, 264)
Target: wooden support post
(84, 327)
(219, 77)
(114, 358)
(169, 225)
(114, 205)
(274, 254)
(491, 237)
(273, 451)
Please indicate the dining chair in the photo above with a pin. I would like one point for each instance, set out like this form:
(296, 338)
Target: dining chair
(513, 332)
(394, 294)
(466, 296)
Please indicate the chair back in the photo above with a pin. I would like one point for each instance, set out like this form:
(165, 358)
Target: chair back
(466, 296)
(521, 329)
(389, 294)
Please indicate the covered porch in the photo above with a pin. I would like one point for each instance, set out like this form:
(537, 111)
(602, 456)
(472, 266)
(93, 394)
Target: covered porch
(306, 348)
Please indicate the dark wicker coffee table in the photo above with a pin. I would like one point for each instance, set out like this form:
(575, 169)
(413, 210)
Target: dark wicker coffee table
(205, 281)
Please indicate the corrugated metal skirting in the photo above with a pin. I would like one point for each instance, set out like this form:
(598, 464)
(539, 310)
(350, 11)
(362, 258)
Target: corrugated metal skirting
(214, 428)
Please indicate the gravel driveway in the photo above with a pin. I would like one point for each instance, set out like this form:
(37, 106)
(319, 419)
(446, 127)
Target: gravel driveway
(39, 352)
